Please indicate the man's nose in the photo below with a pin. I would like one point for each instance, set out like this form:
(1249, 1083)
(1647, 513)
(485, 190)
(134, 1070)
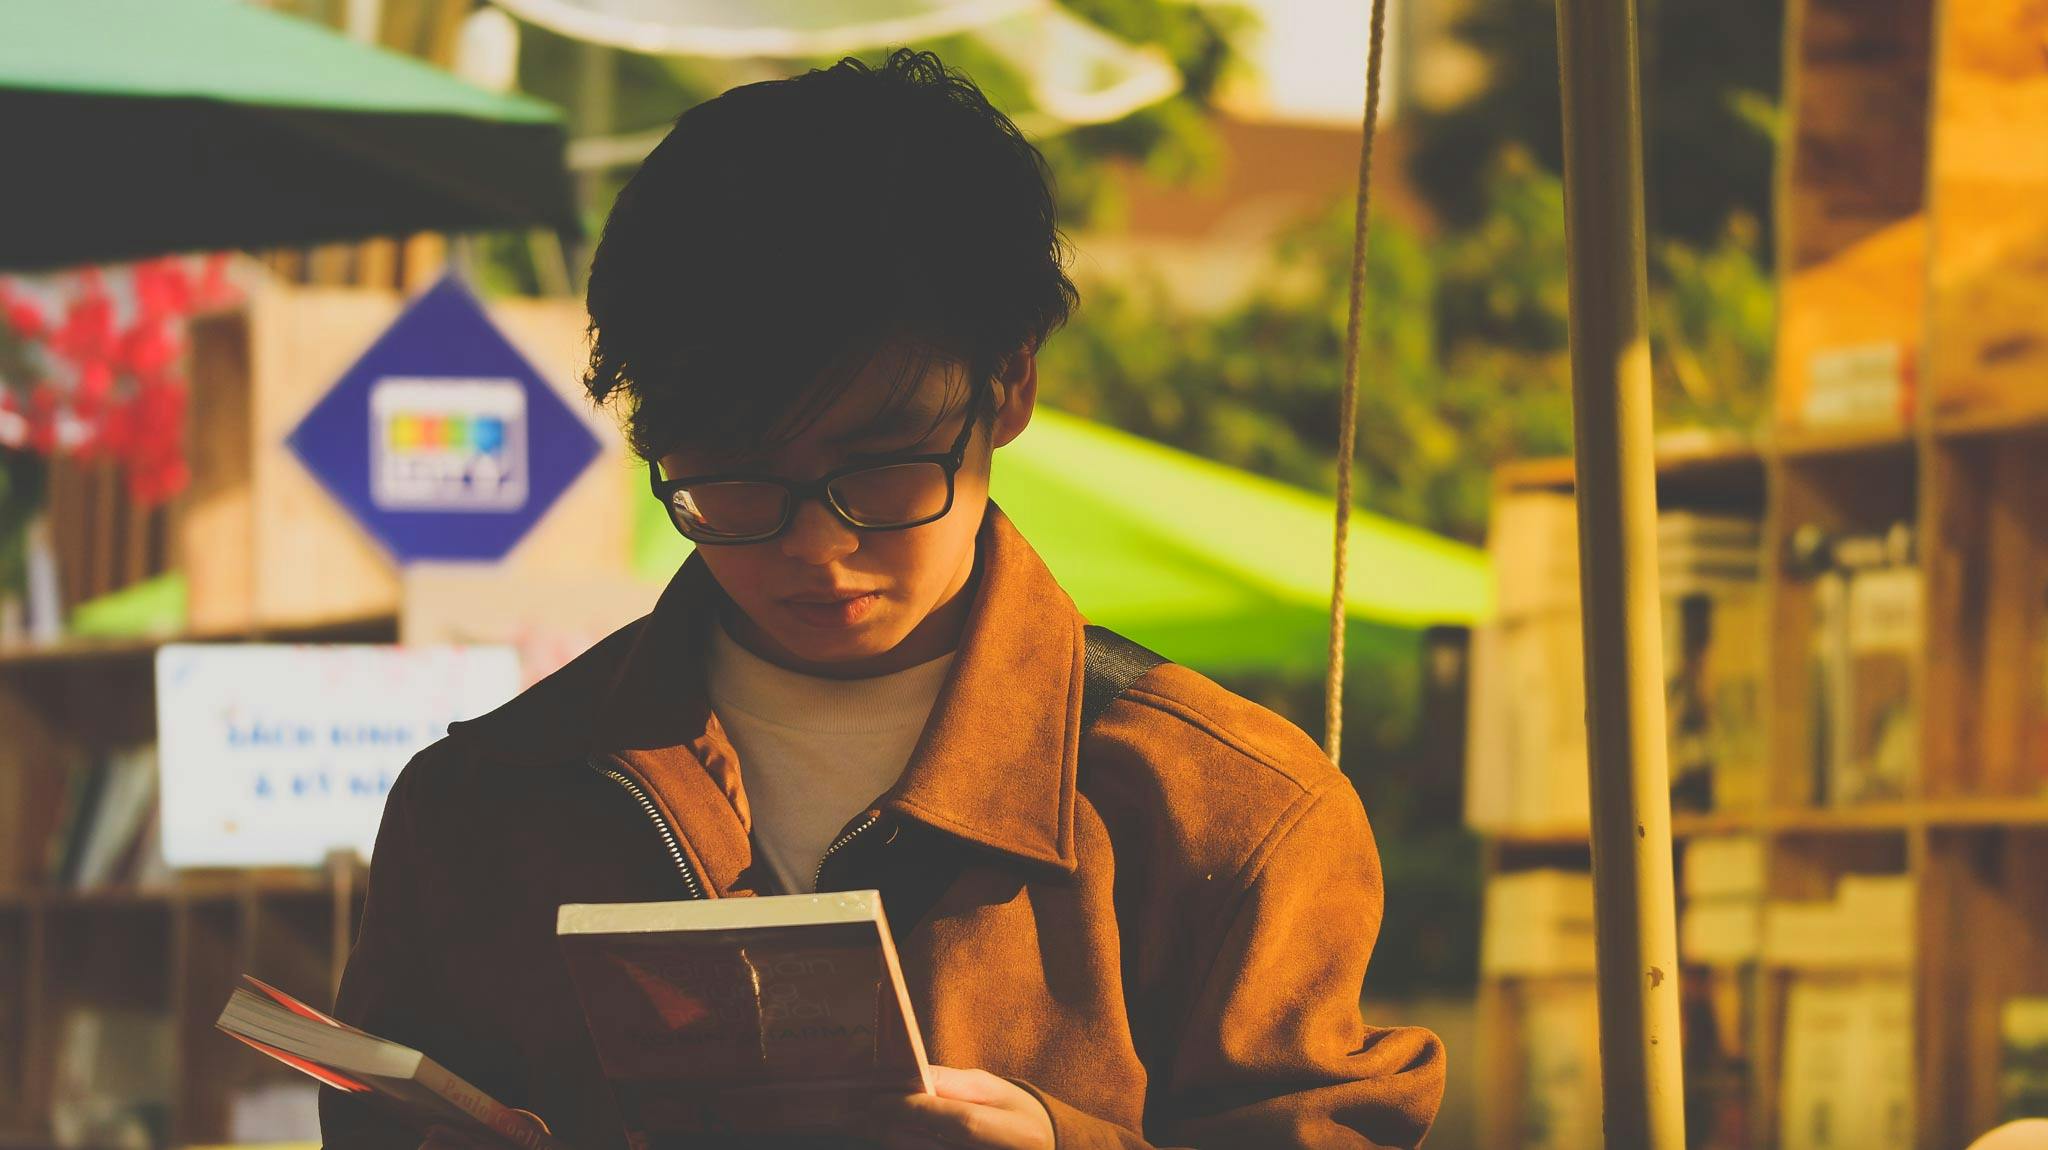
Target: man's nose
(817, 536)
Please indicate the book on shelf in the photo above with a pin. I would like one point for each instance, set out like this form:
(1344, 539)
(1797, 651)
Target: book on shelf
(1868, 629)
(1559, 1025)
(1717, 1010)
(412, 1085)
(112, 1076)
(2023, 1061)
(1723, 866)
(1527, 748)
(1534, 539)
(109, 833)
(784, 1014)
(109, 854)
(1846, 1076)
(1867, 925)
(1527, 726)
(1537, 923)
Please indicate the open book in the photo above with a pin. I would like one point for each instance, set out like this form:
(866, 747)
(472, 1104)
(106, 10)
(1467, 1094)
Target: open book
(784, 1014)
(348, 1059)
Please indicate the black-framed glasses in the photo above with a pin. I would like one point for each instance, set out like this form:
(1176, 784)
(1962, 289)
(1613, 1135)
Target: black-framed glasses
(888, 494)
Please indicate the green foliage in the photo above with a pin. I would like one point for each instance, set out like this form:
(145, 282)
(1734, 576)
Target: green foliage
(1712, 315)
(1709, 70)
(23, 492)
(22, 473)
(1464, 362)
(1171, 141)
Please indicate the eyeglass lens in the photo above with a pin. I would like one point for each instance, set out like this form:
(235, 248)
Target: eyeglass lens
(894, 495)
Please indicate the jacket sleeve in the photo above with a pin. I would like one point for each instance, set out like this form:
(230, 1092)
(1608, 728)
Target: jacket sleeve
(390, 987)
(1276, 1053)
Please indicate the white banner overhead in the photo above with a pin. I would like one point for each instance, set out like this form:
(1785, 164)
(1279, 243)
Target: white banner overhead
(1077, 73)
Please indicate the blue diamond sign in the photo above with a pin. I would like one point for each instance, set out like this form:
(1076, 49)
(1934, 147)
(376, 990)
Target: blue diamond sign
(442, 440)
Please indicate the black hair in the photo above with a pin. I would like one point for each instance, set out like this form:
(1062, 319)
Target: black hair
(785, 232)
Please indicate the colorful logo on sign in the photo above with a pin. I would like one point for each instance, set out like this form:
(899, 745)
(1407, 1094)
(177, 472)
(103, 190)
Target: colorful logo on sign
(447, 444)
(442, 440)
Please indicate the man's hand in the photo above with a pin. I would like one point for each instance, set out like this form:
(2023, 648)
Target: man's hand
(971, 1110)
(448, 1138)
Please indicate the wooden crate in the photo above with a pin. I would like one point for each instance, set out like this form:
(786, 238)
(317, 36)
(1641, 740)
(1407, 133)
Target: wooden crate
(1852, 174)
(1988, 193)
(262, 542)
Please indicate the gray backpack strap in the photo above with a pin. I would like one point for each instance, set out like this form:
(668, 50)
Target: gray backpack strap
(1112, 664)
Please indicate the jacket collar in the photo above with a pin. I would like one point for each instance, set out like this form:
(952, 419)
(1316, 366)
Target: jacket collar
(996, 764)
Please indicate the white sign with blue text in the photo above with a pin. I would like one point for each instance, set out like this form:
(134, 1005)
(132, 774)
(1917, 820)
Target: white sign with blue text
(275, 755)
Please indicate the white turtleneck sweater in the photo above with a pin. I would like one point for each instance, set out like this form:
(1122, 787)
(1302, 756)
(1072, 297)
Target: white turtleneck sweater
(814, 752)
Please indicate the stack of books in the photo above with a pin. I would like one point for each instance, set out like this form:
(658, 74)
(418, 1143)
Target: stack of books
(1722, 882)
(1867, 925)
(110, 833)
(1527, 757)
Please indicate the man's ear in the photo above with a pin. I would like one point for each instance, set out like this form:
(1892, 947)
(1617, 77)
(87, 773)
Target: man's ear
(1018, 385)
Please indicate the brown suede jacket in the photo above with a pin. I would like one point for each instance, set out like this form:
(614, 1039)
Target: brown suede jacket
(1160, 929)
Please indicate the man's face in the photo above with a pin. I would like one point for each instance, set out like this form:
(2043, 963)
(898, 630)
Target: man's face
(826, 598)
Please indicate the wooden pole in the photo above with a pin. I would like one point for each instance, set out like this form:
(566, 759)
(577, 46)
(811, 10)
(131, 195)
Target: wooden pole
(1641, 1073)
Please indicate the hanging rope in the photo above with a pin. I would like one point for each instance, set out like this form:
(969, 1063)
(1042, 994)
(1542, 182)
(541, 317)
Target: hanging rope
(1347, 411)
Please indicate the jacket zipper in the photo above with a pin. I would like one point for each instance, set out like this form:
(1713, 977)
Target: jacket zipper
(661, 827)
(850, 834)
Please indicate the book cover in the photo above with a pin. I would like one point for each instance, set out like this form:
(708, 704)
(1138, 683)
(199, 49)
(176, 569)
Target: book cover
(781, 1014)
(119, 819)
(1885, 634)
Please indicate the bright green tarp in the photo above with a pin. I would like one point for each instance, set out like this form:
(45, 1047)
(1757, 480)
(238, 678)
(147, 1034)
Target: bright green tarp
(1221, 570)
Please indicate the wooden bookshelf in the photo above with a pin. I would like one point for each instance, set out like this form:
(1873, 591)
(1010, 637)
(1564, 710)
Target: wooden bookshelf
(1907, 218)
(267, 556)
(172, 951)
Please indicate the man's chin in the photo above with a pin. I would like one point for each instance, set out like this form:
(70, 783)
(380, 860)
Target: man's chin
(823, 647)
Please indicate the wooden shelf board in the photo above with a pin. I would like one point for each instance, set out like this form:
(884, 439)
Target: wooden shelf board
(1863, 818)
(1685, 456)
(1695, 825)
(223, 886)
(1535, 836)
(1988, 812)
(73, 652)
(1849, 439)
(1976, 424)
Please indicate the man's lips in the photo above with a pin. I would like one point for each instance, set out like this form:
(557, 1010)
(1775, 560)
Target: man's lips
(832, 609)
(830, 597)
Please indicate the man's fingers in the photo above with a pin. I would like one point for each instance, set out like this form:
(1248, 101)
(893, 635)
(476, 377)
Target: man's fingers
(902, 1138)
(973, 1086)
(959, 1123)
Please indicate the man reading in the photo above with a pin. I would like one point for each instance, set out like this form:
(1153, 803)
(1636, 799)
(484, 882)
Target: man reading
(818, 305)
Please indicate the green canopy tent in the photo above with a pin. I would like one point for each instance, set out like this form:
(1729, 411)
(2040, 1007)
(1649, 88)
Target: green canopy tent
(1219, 569)
(131, 128)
